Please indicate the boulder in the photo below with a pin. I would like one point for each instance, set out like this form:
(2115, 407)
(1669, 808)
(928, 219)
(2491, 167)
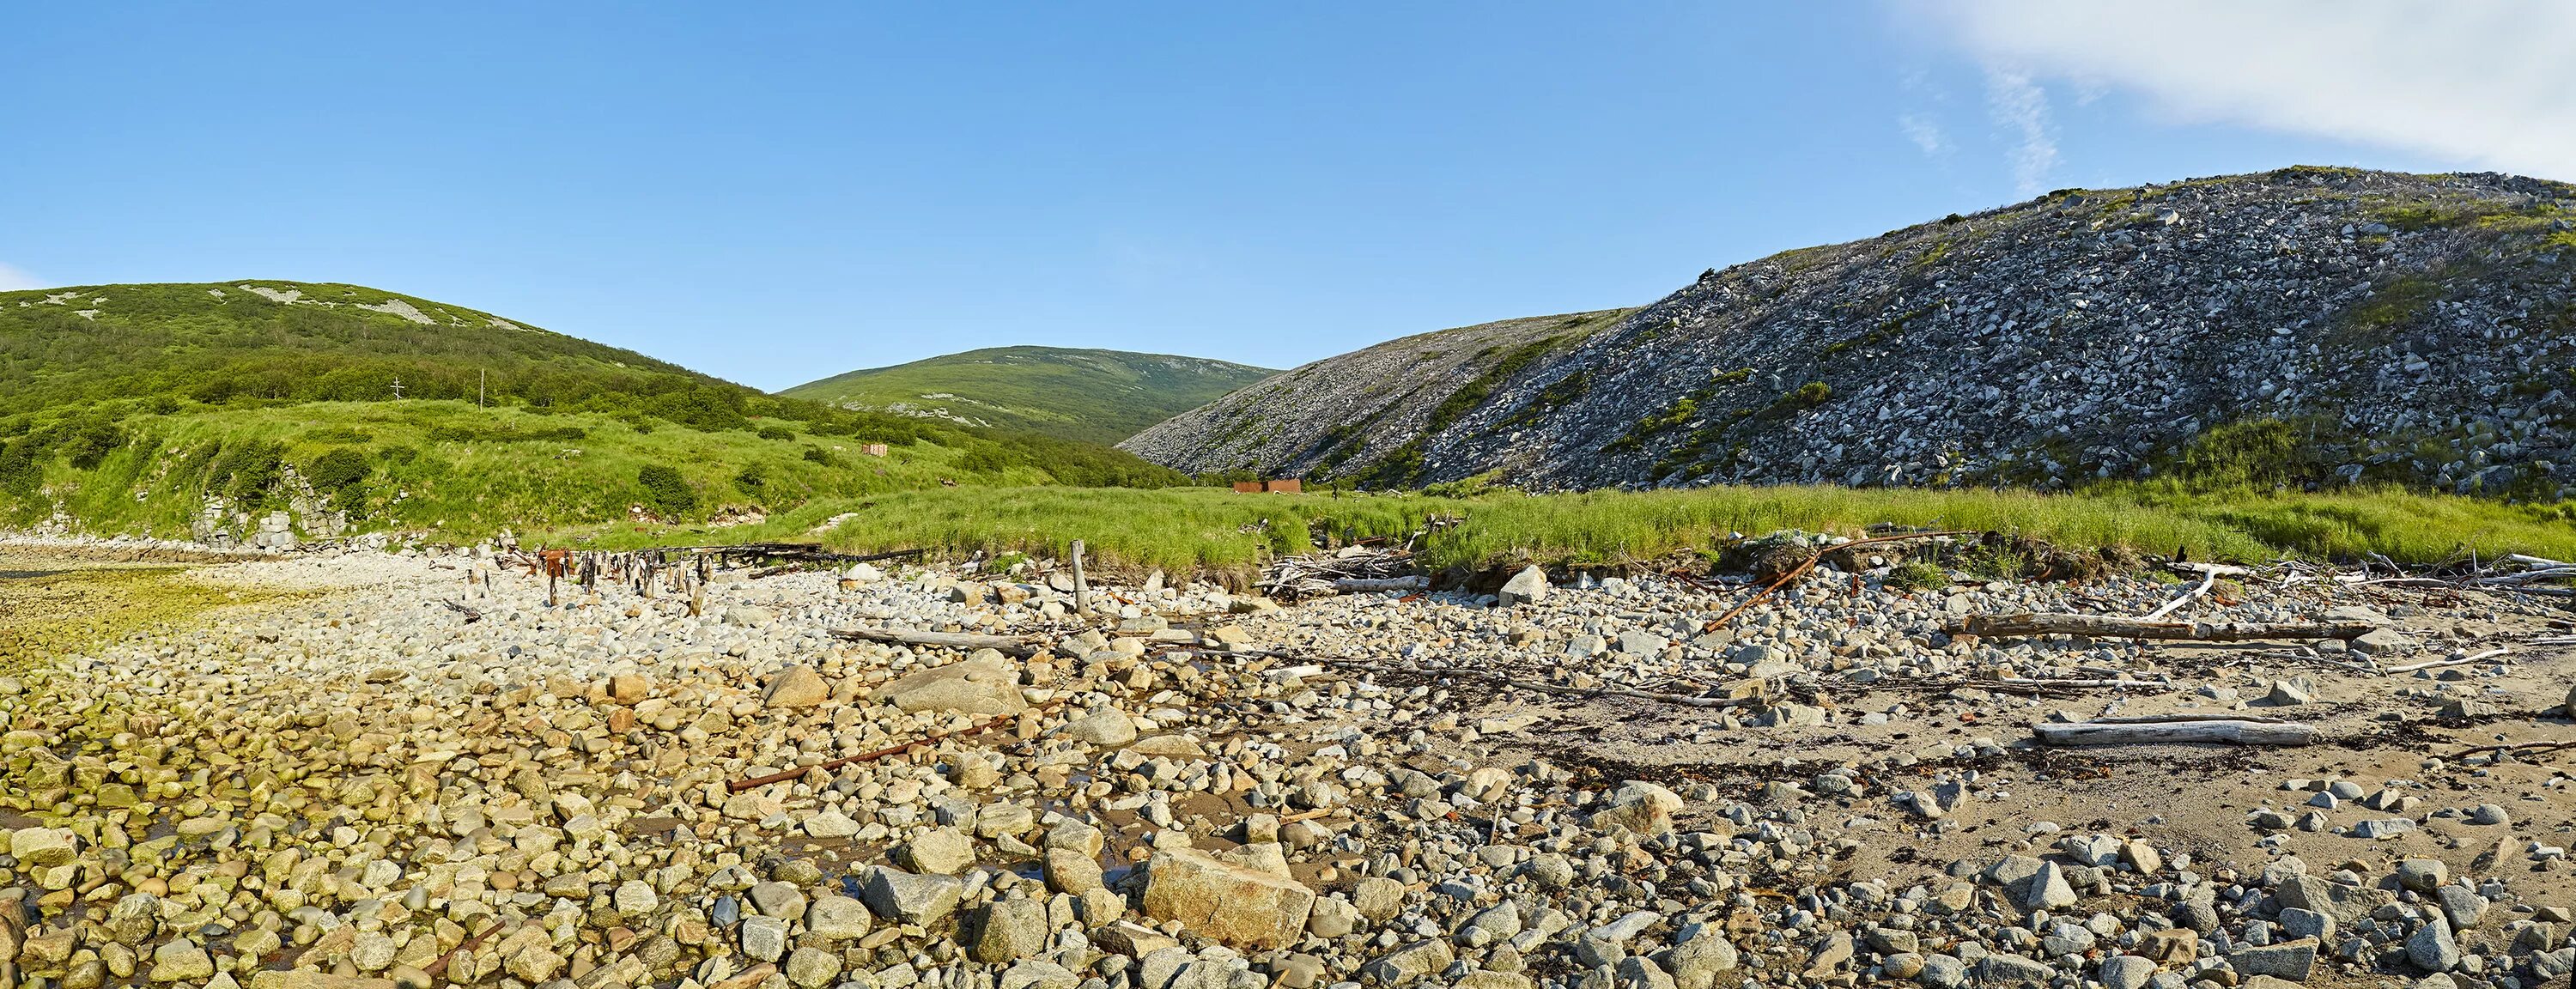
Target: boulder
(1526, 587)
(2290, 960)
(944, 851)
(794, 687)
(909, 898)
(985, 684)
(1107, 726)
(837, 918)
(1224, 902)
(1009, 930)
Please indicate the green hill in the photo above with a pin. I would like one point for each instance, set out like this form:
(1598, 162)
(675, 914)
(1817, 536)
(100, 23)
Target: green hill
(1100, 396)
(173, 410)
(233, 341)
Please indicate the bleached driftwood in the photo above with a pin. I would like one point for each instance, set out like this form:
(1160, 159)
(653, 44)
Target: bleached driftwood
(1008, 644)
(2209, 574)
(1366, 585)
(2440, 663)
(2234, 731)
(2026, 624)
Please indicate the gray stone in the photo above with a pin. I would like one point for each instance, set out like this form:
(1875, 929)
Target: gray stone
(1106, 726)
(2462, 905)
(1697, 962)
(1411, 963)
(2300, 922)
(1332, 917)
(1943, 972)
(910, 898)
(780, 900)
(764, 938)
(1529, 586)
(1640, 972)
(2382, 642)
(1226, 902)
(1009, 930)
(940, 850)
(2048, 890)
(837, 918)
(2422, 875)
(2126, 972)
(2431, 947)
(1037, 974)
(981, 684)
(2382, 827)
(2291, 960)
(2003, 970)
(795, 687)
(1069, 871)
(812, 968)
(181, 960)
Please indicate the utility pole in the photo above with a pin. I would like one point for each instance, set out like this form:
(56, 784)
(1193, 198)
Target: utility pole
(397, 387)
(478, 388)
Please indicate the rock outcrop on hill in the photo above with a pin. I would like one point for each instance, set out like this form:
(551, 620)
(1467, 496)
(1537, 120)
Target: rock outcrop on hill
(2306, 325)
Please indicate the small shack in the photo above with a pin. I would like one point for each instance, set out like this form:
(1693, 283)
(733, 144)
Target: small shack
(1283, 485)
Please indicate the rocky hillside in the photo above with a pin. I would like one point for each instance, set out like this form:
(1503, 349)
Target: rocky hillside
(1362, 414)
(2306, 325)
(1100, 396)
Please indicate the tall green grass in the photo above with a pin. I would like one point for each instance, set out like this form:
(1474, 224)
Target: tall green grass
(1195, 528)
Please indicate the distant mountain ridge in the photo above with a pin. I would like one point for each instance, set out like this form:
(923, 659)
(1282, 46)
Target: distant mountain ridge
(2306, 326)
(1099, 396)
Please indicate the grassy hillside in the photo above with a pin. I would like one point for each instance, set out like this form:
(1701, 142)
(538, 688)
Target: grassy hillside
(130, 408)
(1186, 528)
(249, 341)
(1100, 396)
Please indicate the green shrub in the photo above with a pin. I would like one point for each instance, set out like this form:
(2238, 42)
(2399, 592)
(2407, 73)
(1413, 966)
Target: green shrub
(20, 474)
(752, 480)
(245, 472)
(1916, 575)
(340, 472)
(777, 433)
(666, 493)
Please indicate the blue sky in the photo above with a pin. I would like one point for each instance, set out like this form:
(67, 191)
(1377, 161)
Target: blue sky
(774, 193)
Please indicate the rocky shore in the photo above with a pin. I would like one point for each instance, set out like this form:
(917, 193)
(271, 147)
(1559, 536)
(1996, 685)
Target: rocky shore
(412, 772)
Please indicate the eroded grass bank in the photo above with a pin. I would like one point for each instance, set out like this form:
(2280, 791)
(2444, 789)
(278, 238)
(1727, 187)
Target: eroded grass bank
(1219, 530)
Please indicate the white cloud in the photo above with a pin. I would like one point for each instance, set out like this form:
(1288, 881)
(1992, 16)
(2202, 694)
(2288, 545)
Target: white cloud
(1924, 133)
(12, 279)
(2486, 84)
(2020, 106)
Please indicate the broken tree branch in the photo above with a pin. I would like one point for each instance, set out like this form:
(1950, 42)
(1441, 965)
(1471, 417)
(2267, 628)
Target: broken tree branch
(2025, 624)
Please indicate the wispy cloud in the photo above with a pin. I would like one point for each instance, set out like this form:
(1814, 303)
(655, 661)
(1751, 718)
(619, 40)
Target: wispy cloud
(1925, 134)
(13, 279)
(2485, 84)
(2020, 107)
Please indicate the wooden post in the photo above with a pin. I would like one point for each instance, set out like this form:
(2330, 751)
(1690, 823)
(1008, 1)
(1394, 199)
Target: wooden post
(1081, 587)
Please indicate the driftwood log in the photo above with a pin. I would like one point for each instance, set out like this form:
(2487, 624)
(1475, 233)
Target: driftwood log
(2025, 624)
(1365, 585)
(1010, 645)
(2232, 731)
